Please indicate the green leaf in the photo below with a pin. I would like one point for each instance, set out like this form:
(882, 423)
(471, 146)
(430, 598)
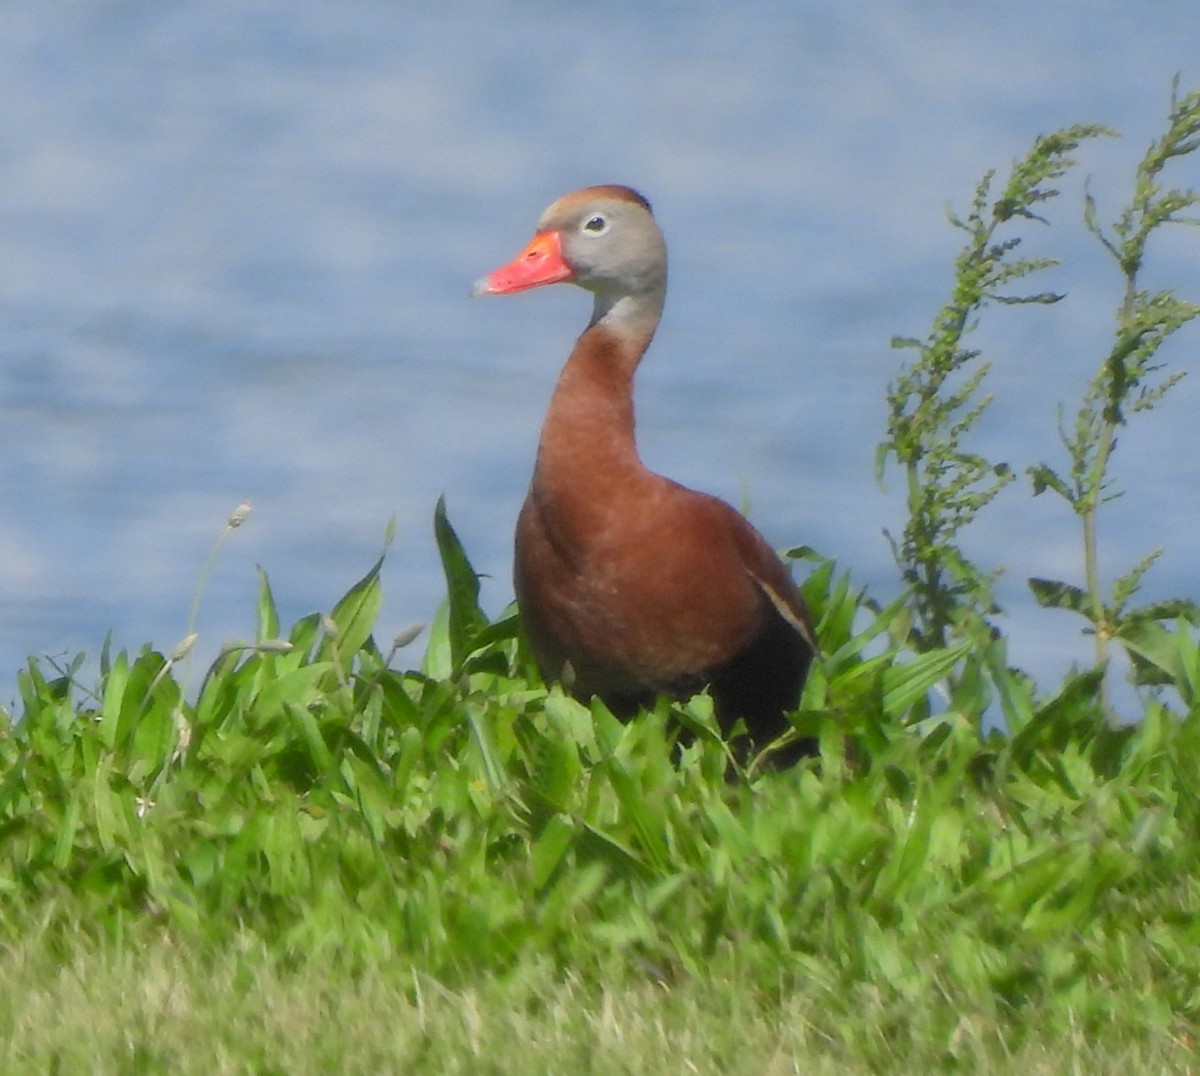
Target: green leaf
(482, 732)
(135, 697)
(853, 647)
(1172, 655)
(438, 661)
(557, 770)
(465, 618)
(303, 636)
(636, 808)
(318, 749)
(498, 631)
(267, 613)
(114, 693)
(550, 847)
(299, 687)
(1045, 478)
(411, 747)
(1054, 595)
(355, 616)
(595, 842)
(1016, 698)
(1127, 585)
(64, 844)
(906, 684)
(1170, 609)
(107, 810)
(1074, 712)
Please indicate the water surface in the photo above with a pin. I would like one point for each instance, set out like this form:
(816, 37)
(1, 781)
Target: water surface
(236, 242)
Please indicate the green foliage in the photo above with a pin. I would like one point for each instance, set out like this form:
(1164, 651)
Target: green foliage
(1124, 384)
(462, 639)
(937, 400)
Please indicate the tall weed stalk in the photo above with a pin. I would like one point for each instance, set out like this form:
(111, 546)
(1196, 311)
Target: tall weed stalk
(938, 399)
(1128, 381)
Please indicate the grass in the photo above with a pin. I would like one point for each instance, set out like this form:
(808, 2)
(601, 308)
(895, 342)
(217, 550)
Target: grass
(319, 861)
(156, 1007)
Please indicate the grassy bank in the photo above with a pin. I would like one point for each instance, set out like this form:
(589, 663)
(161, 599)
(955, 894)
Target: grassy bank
(323, 857)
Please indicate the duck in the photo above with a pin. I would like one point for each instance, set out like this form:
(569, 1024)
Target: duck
(629, 585)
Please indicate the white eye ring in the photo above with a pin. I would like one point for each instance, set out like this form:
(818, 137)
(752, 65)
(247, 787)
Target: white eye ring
(596, 224)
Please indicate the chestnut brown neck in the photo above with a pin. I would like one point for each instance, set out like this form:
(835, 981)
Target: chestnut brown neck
(587, 457)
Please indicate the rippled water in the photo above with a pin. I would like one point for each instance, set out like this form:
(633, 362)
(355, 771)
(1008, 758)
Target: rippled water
(236, 241)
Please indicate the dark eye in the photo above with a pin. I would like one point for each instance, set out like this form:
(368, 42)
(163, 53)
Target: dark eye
(595, 225)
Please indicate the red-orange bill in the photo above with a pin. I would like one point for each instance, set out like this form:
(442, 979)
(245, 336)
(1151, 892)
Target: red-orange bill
(541, 262)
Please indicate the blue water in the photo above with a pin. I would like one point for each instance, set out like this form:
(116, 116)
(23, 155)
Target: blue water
(236, 241)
